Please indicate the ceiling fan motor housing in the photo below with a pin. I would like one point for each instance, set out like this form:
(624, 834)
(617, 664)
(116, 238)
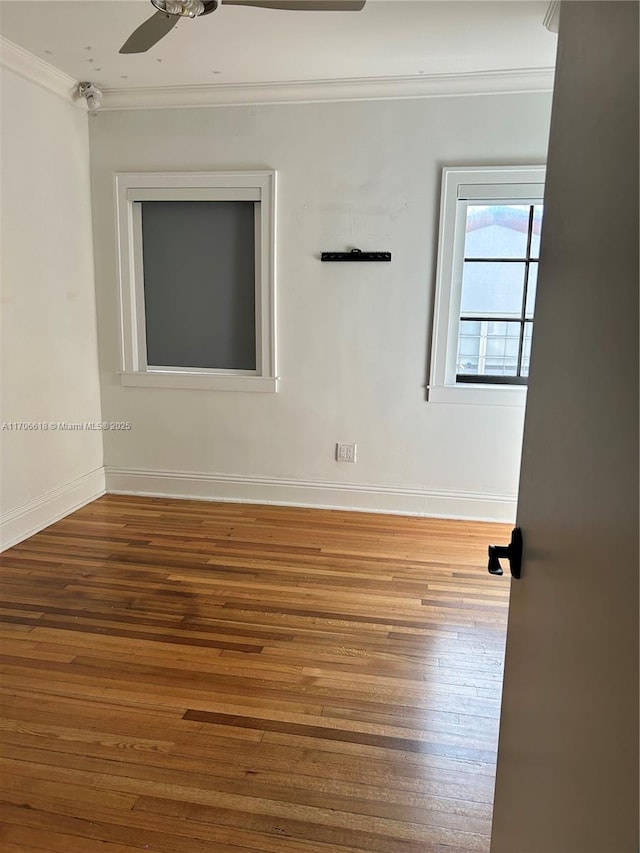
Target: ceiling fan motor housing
(183, 8)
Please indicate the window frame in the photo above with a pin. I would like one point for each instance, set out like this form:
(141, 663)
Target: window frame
(460, 186)
(134, 187)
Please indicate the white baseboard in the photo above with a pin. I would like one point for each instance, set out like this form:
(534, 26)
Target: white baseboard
(402, 500)
(30, 518)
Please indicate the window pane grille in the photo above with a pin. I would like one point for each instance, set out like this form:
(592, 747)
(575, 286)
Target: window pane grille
(535, 232)
(488, 348)
(499, 278)
(496, 231)
(492, 289)
(531, 290)
(526, 350)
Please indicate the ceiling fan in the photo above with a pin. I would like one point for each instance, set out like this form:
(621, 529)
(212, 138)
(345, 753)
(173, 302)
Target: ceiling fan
(170, 11)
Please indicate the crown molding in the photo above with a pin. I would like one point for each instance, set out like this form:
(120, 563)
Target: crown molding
(512, 81)
(552, 16)
(31, 67)
(315, 91)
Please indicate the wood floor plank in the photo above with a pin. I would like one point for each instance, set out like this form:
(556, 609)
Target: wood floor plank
(218, 678)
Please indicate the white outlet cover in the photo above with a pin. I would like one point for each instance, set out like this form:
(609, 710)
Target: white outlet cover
(345, 452)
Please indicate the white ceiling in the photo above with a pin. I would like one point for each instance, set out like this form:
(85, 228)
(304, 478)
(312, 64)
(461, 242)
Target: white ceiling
(234, 45)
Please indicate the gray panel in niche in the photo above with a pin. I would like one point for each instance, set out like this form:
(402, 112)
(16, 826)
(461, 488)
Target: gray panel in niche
(199, 283)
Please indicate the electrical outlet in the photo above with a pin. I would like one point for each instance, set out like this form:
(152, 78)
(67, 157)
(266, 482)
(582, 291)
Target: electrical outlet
(346, 452)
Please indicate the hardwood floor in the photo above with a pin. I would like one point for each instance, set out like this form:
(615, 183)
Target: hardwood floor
(191, 677)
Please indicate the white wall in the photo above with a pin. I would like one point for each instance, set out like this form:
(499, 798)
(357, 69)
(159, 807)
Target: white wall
(353, 339)
(49, 349)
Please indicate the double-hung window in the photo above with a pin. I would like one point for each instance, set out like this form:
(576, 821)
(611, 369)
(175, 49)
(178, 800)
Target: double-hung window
(488, 257)
(197, 290)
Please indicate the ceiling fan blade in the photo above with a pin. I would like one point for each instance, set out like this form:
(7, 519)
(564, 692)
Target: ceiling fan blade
(149, 33)
(302, 5)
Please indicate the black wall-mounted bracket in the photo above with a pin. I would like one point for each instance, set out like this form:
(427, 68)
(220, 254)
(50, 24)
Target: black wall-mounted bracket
(513, 553)
(355, 255)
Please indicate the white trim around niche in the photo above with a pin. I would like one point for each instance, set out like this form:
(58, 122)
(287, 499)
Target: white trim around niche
(131, 188)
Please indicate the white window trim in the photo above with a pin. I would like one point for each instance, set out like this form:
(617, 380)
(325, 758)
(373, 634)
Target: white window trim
(132, 187)
(526, 183)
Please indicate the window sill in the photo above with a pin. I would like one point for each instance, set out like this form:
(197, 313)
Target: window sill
(200, 381)
(478, 395)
